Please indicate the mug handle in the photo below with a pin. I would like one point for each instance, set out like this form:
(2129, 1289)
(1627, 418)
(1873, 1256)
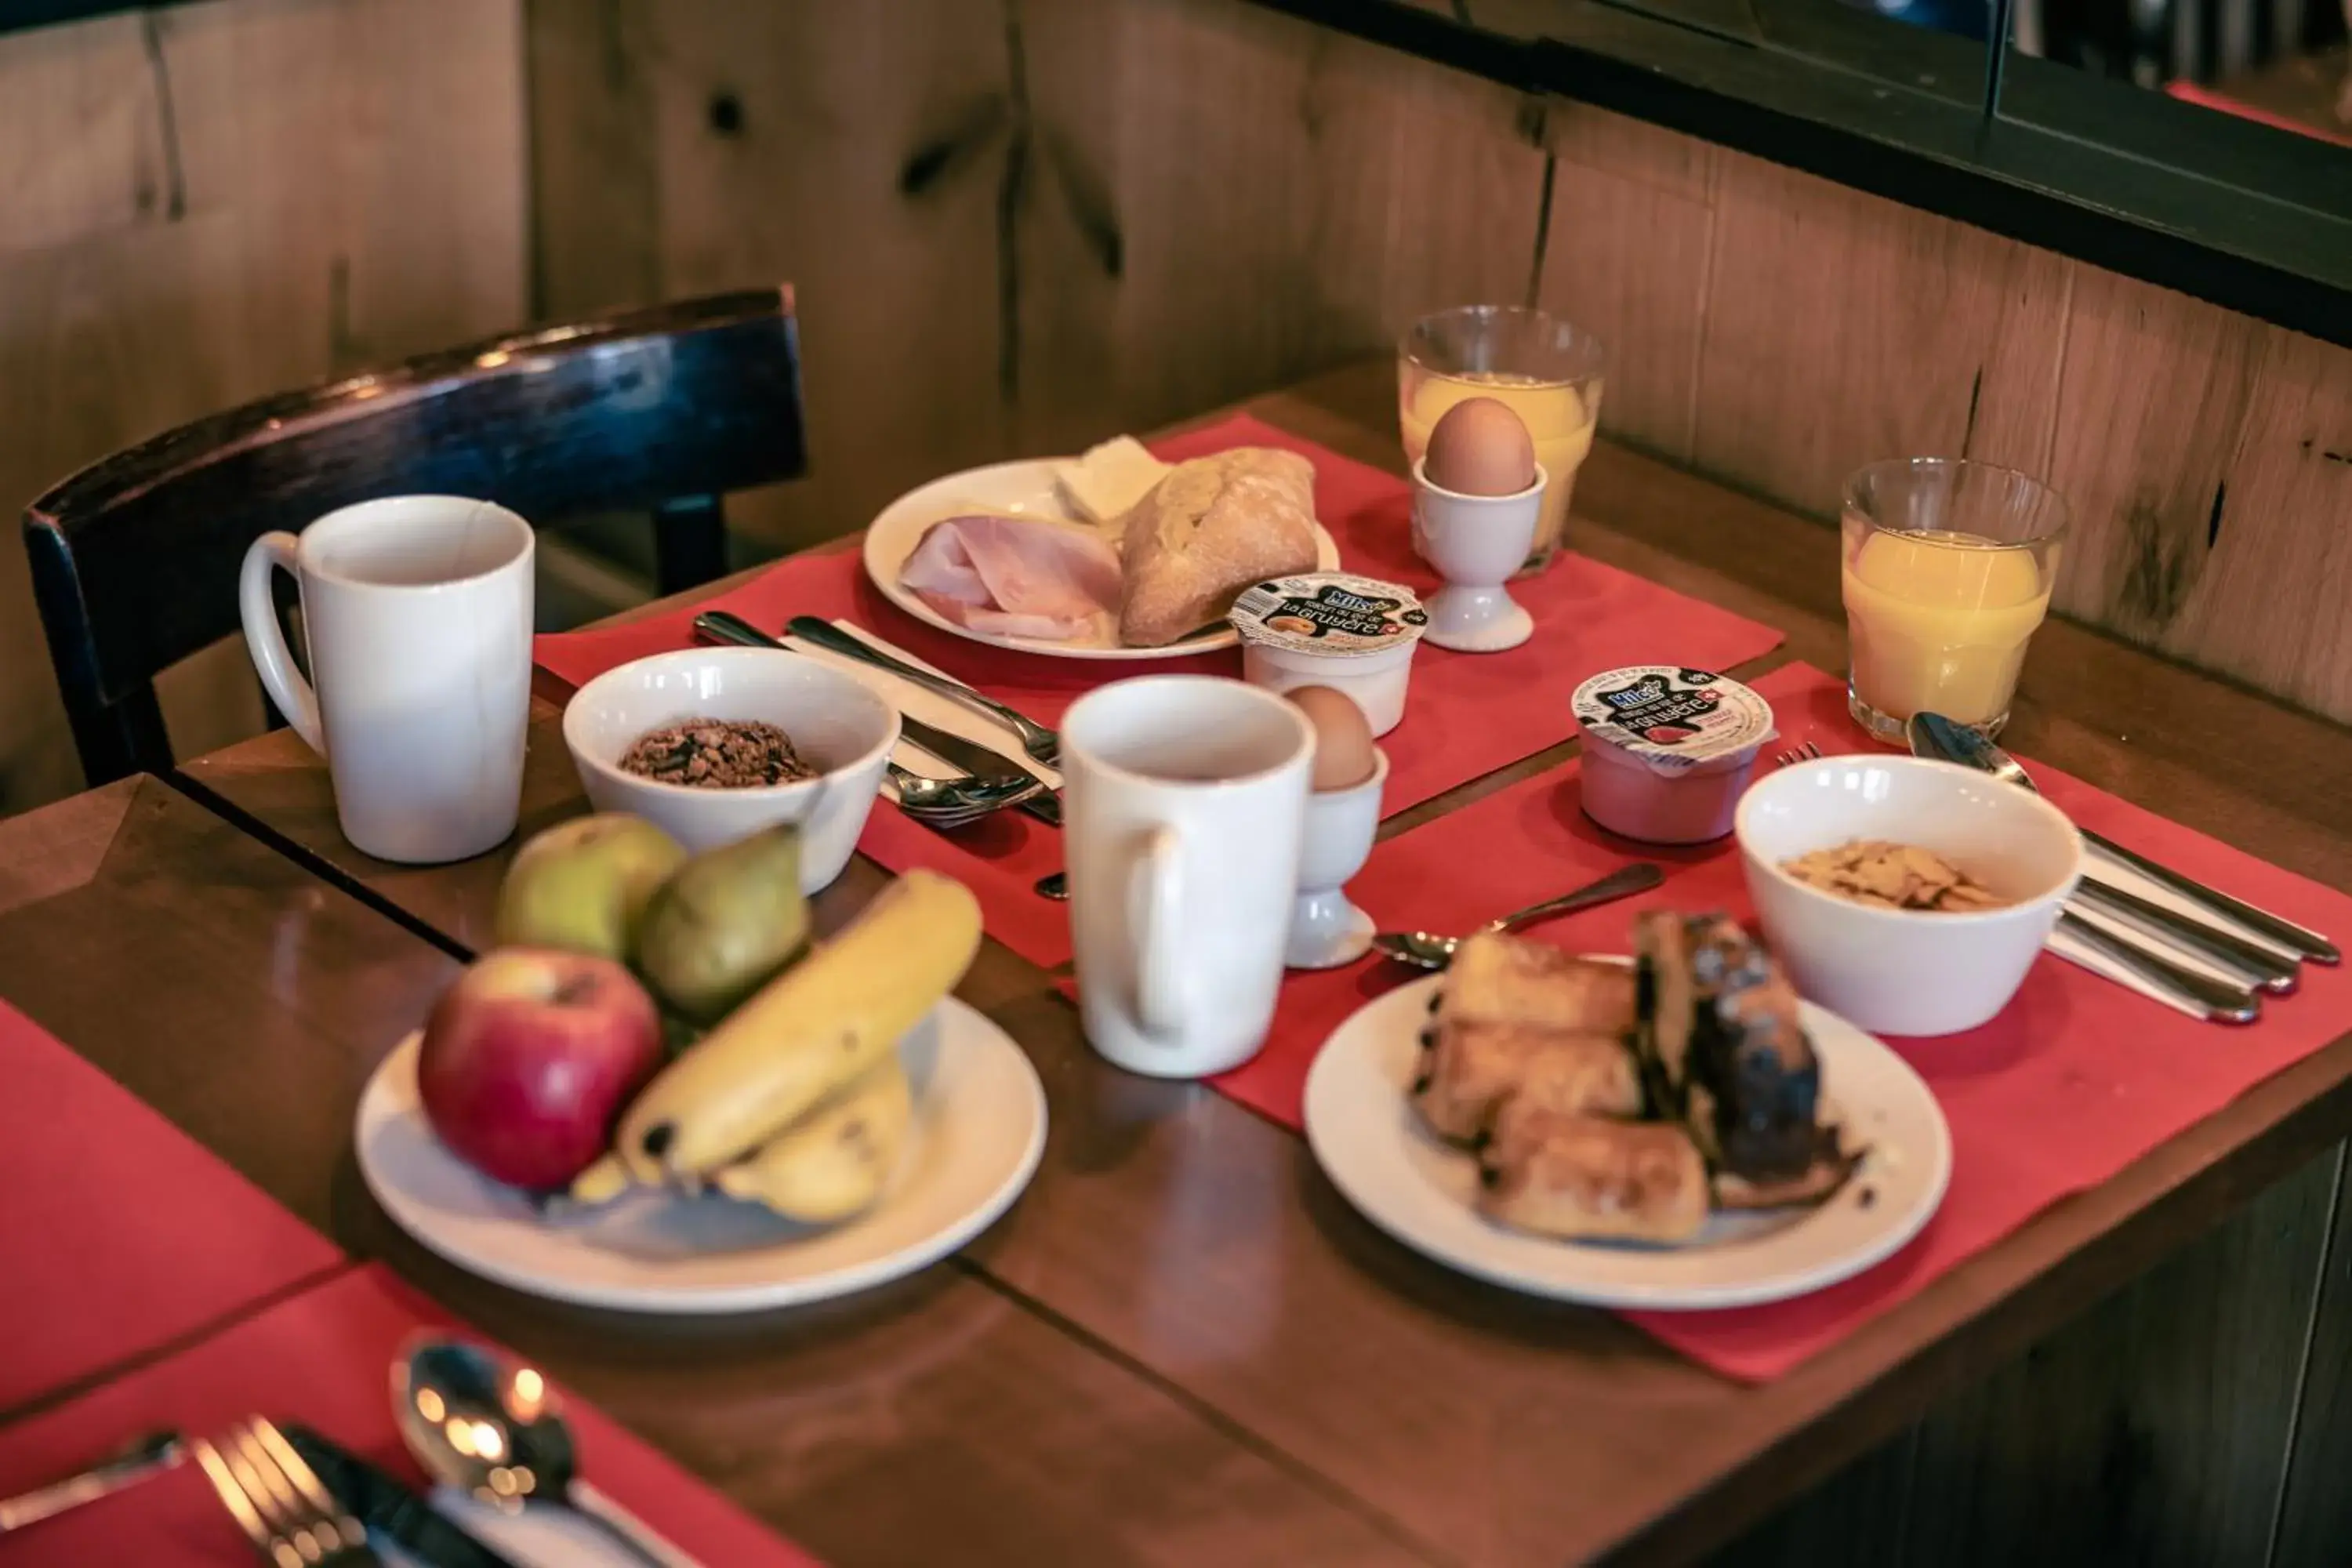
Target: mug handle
(1155, 889)
(265, 639)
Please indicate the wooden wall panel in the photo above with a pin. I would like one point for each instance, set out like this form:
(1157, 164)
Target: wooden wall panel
(1286, 198)
(748, 145)
(336, 181)
(1841, 328)
(2156, 390)
(1020, 227)
(1626, 256)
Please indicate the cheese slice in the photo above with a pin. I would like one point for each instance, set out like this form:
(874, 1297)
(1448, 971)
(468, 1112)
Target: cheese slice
(1104, 485)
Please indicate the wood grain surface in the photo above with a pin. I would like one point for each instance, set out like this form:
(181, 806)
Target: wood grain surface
(938, 1420)
(202, 204)
(1199, 1242)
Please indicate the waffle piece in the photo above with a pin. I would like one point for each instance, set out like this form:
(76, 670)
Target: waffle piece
(1469, 1070)
(1589, 1177)
(1497, 979)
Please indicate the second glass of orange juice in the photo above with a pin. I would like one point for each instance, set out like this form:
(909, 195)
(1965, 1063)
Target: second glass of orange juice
(1948, 568)
(1549, 370)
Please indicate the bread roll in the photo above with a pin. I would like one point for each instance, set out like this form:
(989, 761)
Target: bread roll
(1211, 528)
(1588, 1177)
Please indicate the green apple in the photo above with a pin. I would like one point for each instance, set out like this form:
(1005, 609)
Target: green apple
(582, 885)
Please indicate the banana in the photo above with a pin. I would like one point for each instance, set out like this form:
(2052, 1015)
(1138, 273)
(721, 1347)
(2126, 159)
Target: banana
(831, 1163)
(806, 1033)
(602, 1183)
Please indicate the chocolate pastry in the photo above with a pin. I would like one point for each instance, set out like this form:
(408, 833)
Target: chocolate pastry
(1723, 1051)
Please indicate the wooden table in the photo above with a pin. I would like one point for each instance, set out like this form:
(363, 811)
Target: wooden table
(1181, 1345)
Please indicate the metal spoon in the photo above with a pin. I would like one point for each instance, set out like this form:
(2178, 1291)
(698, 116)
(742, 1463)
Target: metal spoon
(1423, 950)
(959, 802)
(1933, 735)
(490, 1426)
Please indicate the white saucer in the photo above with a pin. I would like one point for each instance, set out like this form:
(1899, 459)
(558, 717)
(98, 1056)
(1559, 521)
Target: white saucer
(1411, 1184)
(980, 1127)
(1026, 486)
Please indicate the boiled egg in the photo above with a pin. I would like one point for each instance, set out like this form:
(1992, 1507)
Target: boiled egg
(1344, 756)
(1480, 447)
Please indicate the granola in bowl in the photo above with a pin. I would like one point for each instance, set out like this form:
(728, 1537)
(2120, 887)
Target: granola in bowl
(1891, 876)
(717, 753)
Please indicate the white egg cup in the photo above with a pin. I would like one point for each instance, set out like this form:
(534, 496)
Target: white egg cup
(1325, 930)
(1475, 543)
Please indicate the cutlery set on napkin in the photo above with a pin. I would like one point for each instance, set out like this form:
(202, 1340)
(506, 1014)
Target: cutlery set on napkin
(2193, 948)
(948, 731)
(508, 1496)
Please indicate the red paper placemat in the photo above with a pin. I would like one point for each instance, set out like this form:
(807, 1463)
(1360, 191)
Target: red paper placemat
(2076, 1078)
(1465, 714)
(321, 1358)
(103, 1200)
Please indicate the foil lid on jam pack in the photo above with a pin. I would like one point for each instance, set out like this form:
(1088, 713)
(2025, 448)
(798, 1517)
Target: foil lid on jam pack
(1673, 719)
(1334, 613)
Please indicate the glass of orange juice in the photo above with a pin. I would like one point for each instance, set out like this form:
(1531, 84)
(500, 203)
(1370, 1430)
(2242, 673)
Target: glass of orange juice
(1948, 567)
(1549, 370)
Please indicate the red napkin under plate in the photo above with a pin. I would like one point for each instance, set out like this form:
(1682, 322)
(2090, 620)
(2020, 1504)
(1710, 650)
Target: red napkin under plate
(2076, 1078)
(121, 1233)
(320, 1358)
(1465, 714)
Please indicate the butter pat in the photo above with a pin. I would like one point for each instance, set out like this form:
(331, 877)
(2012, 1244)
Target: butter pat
(1104, 485)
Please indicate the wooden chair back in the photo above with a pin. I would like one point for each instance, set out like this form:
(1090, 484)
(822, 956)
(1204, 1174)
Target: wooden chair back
(136, 559)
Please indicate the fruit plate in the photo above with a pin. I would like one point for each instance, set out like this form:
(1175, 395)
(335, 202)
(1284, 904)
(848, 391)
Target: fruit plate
(978, 1129)
(1417, 1188)
(1027, 487)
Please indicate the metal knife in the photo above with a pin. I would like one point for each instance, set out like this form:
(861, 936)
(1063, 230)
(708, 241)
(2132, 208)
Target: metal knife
(2216, 1001)
(149, 1455)
(981, 762)
(389, 1506)
(2266, 969)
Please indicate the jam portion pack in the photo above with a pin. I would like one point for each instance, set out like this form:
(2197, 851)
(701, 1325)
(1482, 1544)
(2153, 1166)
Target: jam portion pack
(1670, 718)
(1330, 612)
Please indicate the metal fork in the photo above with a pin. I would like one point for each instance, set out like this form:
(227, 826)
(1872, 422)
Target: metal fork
(278, 1502)
(1807, 752)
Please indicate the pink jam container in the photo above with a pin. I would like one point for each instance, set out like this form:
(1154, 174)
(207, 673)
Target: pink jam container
(1668, 751)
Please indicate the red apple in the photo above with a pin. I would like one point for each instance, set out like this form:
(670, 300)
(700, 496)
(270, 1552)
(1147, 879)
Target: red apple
(529, 1057)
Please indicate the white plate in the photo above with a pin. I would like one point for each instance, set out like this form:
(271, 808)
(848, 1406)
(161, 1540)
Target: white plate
(1027, 487)
(980, 1127)
(1417, 1188)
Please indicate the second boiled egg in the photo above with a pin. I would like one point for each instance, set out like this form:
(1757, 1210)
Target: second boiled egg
(1480, 447)
(1344, 754)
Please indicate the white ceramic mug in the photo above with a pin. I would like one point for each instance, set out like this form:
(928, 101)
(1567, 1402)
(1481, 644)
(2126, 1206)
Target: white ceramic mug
(1185, 802)
(416, 610)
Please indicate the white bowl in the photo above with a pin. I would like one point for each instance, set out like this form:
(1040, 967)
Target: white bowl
(1906, 972)
(835, 725)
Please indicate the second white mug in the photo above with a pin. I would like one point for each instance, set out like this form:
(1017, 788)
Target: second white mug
(1186, 796)
(416, 610)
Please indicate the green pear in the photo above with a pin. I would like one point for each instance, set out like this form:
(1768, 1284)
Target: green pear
(724, 922)
(582, 885)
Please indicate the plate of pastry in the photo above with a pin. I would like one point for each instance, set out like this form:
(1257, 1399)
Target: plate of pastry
(1680, 1130)
(1111, 555)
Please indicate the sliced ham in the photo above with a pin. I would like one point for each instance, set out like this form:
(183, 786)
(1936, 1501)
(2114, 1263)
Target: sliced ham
(1013, 576)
